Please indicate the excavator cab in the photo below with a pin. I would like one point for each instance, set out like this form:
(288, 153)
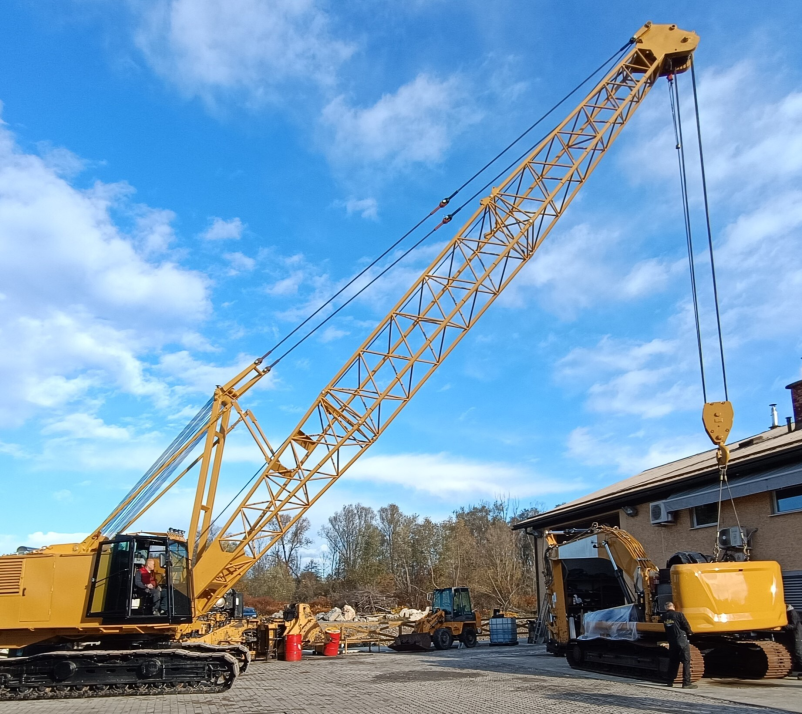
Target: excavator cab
(117, 594)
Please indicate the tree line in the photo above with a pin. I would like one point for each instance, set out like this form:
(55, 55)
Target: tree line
(393, 558)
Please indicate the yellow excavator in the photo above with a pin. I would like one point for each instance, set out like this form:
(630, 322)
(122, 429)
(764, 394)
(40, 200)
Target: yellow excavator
(132, 612)
(606, 597)
(451, 617)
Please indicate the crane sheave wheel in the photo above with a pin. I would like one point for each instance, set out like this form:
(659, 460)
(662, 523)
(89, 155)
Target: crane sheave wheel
(468, 637)
(442, 639)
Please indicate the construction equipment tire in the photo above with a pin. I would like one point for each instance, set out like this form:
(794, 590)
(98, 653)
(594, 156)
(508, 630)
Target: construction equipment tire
(468, 637)
(442, 638)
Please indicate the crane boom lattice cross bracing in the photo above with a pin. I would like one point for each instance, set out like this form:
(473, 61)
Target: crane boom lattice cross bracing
(430, 320)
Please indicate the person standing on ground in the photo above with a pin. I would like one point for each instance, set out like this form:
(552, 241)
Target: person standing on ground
(679, 648)
(794, 626)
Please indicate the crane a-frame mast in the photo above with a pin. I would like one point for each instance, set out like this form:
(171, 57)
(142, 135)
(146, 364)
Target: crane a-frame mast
(408, 345)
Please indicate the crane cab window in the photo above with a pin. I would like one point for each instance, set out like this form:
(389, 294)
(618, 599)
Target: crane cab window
(141, 578)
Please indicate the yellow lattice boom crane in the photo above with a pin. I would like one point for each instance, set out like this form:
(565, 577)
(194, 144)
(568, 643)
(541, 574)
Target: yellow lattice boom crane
(82, 617)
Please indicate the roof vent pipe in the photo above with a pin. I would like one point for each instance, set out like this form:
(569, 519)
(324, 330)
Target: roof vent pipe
(789, 424)
(775, 421)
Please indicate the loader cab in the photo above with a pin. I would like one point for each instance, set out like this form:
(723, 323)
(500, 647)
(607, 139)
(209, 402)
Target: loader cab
(454, 602)
(116, 594)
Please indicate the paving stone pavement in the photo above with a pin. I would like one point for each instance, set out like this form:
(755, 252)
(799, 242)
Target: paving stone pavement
(514, 680)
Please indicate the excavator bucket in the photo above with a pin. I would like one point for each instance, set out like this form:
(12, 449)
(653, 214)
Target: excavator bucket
(412, 642)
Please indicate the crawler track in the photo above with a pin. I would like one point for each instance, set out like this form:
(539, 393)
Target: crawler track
(748, 659)
(106, 673)
(239, 652)
(640, 660)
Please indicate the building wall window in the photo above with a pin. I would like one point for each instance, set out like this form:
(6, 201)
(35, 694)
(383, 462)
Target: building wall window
(706, 515)
(788, 499)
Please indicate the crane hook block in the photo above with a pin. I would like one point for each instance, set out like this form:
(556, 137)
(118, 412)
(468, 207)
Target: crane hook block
(717, 418)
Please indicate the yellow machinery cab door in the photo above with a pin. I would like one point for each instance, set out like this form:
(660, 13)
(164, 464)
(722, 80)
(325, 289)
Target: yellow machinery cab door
(37, 588)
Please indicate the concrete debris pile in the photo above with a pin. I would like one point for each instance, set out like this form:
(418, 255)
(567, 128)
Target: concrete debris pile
(346, 614)
(413, 615)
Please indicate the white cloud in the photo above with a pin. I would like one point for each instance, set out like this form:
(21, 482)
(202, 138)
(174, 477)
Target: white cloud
(63, 495)
(13, 450)
(86, 426)
(631, 454)
(647, 379)
(192, 376)
(83, 303)
(62, 161)
(367, 208)
(247, 50)
(332, 333)
(752, 153)
(220, 229)
(759, 265)
(415, 125)
(239, 262)
(753, 168)
(446, 476)
(579, 268)
(288, 285)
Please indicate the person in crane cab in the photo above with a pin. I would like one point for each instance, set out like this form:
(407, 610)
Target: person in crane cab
(147, 582)
(679, 648)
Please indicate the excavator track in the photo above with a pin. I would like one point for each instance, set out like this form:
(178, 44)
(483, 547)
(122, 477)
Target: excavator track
(748, 659)
(640, 660)
(239, 652)
(107, 673)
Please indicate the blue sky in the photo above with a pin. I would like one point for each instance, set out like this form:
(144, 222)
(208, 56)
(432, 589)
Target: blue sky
(181, 182)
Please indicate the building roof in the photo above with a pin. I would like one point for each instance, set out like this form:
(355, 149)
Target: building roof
(759, 451)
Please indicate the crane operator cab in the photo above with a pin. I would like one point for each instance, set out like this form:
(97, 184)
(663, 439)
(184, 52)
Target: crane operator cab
(141, 578)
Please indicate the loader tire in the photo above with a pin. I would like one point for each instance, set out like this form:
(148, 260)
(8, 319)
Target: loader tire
(468, 637)
(442, 638)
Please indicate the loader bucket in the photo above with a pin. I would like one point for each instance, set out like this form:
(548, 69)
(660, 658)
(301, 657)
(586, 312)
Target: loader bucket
(412, 642)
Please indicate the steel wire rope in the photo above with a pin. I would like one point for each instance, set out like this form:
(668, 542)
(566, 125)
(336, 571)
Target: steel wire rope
(615, 57)
(709, 230)
(677, 121)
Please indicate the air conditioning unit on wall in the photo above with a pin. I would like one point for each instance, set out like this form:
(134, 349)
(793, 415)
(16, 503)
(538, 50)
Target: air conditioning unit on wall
(659, 514)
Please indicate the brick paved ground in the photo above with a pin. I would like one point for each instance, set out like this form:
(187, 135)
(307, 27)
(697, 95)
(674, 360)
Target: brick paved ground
(511, 680)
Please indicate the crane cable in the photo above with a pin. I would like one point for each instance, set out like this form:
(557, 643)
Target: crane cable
(614, 58)
(674, 98)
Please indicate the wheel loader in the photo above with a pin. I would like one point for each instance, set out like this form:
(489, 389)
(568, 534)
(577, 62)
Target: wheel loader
(452, 617)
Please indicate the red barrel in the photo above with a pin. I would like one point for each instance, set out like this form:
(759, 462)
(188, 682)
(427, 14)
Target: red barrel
(332, 647)
(292, 648)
